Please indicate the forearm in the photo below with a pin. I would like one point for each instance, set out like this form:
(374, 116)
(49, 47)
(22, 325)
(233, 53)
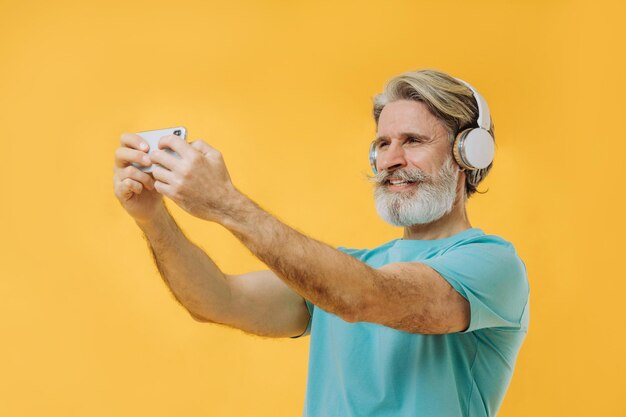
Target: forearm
(329, 278)
(194, 279)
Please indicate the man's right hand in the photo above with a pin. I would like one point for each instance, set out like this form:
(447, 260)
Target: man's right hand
(133, 187)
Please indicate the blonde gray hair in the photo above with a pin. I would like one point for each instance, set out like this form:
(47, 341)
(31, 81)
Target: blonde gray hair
(448, 99)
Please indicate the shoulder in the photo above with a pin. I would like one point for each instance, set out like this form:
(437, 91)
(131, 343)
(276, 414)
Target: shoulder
(480, 238)
(488, 253)
(487, 270)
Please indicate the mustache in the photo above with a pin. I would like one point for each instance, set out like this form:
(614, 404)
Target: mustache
(411, 175)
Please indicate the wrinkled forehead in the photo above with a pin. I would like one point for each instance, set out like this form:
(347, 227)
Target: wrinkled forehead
(408, 116)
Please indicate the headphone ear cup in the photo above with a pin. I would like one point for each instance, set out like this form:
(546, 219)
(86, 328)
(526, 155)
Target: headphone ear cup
(372, 156)
(474, 149)
(456, 149)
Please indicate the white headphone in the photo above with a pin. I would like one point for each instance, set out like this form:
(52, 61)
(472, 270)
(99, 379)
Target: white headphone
(473, 148)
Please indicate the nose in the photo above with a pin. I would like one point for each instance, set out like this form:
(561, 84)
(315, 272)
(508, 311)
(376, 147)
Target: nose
(392, 158)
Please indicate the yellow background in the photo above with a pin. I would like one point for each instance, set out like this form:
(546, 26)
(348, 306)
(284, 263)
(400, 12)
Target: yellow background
(283, 89)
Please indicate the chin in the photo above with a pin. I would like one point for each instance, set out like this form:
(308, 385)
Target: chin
(403, 212)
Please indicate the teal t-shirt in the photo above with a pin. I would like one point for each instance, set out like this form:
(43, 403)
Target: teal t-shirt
(369, 370)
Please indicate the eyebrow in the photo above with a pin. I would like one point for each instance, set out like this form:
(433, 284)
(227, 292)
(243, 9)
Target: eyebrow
(405, 135)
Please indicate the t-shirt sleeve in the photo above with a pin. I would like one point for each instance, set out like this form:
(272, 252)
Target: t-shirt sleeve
(310, 307)
(493, 279)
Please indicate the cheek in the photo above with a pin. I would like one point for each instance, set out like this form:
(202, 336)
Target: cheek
(425, 160)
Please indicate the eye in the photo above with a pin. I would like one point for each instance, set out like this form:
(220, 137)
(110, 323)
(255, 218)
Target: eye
(413, 139)
(381, 145)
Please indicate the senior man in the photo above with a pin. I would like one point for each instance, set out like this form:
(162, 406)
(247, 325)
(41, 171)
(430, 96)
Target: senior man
(429, 324)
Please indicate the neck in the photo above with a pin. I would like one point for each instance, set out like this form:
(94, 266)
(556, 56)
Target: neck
(448, 225)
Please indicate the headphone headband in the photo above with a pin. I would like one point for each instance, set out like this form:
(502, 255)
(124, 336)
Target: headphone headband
(484, 116)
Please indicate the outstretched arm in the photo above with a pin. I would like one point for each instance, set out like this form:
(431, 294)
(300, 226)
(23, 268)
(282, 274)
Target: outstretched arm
(256, 302)
(406, 296)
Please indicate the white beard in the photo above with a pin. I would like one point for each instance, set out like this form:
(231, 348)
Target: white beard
(432, 199)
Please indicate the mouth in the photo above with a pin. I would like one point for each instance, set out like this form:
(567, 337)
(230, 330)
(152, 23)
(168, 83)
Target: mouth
(399, 185)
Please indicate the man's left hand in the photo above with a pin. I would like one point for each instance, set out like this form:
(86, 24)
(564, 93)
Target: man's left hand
(197, 181)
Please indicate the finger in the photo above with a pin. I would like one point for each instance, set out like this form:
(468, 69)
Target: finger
(145, 179)
(162, 188)
(128, 187)
(133, 140)
(165, 159)
(163, 175)
(177, 144)
(126, 156)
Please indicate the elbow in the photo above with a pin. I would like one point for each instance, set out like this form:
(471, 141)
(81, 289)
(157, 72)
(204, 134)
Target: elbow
(358, 311)
(348, 312)
(351, 305)
(351, 317)
(199, 318)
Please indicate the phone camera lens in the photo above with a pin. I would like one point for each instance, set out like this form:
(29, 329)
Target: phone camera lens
(177, 132)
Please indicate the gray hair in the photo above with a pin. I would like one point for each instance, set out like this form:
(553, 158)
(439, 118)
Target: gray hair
(448, 99)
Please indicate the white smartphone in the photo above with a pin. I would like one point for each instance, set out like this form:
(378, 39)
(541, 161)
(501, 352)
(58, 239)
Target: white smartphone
(153, 137)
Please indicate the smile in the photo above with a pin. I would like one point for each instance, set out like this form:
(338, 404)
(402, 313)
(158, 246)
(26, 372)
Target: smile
(399, 182)
(400, 185)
